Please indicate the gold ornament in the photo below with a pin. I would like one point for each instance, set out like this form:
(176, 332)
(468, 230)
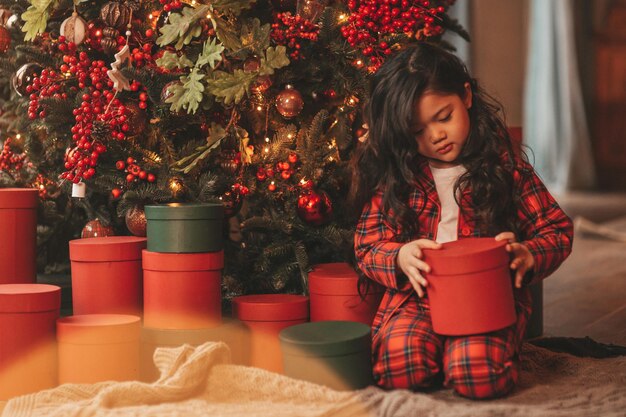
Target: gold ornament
(289, 102)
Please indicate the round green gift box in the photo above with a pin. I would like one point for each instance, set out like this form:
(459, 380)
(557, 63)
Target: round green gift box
(331, 353)
(184, 228)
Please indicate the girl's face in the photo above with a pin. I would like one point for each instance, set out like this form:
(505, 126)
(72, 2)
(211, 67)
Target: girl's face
(441, 126)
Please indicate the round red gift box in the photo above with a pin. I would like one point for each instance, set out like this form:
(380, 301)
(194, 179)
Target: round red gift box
(28, 358)
(266, 315)
(182, 290)
(333, 289)
(107, 275)
(18, 235)
(98, 347)
(470, 287)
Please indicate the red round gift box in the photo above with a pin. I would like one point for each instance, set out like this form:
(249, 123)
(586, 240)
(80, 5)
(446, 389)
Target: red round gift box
(107, 275)
(266, 315)
(98, 347)
(28, 358)
(333, 289)
(18, 235)
(470, 287)
(182, 290)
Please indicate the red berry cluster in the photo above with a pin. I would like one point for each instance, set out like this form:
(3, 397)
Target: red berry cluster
(9, 160)
(45, 85)
(285, 168)
(171, 5)
(134, 171)
(142, 56)
(98, 105)
(288, 30)
(371, 20)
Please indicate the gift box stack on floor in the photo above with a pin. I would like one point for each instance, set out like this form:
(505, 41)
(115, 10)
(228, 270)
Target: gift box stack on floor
(131, 295)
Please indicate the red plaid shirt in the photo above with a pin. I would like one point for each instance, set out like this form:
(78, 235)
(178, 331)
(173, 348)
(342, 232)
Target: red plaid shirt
(544, 228)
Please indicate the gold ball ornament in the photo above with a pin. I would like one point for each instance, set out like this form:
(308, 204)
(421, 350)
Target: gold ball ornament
(75, 29)
(136, 221)
(94, 228)
(289, 102)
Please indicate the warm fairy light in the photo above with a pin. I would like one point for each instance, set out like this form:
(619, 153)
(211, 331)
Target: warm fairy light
(342, 17)
(358, 63)
(289, 136)
(259, 108)
(330, 158)
(193, 2)
(266, 149)
(209, 15)
(330, 146)
(267, 140)
(302, 181)
(17, 136)
(175, 185)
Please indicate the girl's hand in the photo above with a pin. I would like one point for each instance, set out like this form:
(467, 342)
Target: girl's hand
(523, 261)
(410, 261)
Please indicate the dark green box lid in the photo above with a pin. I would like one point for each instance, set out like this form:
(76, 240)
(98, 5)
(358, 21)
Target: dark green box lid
(325, 338)
(184, 211)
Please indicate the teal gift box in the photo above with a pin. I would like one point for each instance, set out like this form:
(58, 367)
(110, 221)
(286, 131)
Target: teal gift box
(184, 228)
(331, 353)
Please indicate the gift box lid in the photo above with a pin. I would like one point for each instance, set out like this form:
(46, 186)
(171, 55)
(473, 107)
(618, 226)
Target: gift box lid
(325, 338)
(466, 256)
(184, 211)
(97, 329)
(337, 278)
(204, 261)
(109, 248)
(29, 298)
(271, 307)
(18, 198)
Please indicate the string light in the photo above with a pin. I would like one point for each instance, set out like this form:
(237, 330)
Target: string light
(343, 17)
(267, 140)
(259, 108)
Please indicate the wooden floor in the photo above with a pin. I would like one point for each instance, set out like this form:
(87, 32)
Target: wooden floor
(586, 296)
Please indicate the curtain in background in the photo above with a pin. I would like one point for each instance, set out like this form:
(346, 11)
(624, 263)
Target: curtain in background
(555, 127)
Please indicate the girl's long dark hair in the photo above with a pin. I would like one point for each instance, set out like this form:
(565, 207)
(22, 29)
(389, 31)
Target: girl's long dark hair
(387, 161)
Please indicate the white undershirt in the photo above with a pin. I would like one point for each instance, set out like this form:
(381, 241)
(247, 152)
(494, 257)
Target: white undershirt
(445, 178)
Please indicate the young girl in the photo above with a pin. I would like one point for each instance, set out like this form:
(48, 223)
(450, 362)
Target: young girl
(438, 165)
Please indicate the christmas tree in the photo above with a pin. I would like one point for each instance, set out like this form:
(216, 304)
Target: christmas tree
(255, 104)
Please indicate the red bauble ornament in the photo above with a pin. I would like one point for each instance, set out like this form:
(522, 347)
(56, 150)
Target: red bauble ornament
(289, 102)
(314, 207)
(94, 228)
(136, 221)
(5, 39)
(251, 64)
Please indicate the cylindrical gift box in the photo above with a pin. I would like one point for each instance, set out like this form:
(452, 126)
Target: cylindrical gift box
(28, 357)
(470, 287)
(98, 347)
(266, 315)
(107, 275)
(332, 353)
(232, 332)
(334, 293)
(18, 235)
(184, 228)
(182, 290)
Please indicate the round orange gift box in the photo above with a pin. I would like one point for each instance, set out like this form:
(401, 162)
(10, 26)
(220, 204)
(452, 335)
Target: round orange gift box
(470, 288)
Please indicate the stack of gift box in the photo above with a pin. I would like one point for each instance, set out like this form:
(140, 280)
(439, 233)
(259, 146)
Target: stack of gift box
(131, 295)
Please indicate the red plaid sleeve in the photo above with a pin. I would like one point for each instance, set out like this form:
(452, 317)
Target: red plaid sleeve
(375, 250)
(546, 230)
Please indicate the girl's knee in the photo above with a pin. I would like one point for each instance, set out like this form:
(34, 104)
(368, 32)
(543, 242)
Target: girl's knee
(406, 367)
(481, 378)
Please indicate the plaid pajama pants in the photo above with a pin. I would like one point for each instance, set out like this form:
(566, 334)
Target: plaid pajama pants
(408, 354)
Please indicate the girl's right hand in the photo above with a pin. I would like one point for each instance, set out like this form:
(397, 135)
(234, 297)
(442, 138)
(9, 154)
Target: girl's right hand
(410, 262)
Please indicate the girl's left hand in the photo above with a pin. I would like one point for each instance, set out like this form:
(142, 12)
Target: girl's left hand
(523, 261)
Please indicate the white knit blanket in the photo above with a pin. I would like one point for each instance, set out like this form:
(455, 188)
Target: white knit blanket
(200, 382)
